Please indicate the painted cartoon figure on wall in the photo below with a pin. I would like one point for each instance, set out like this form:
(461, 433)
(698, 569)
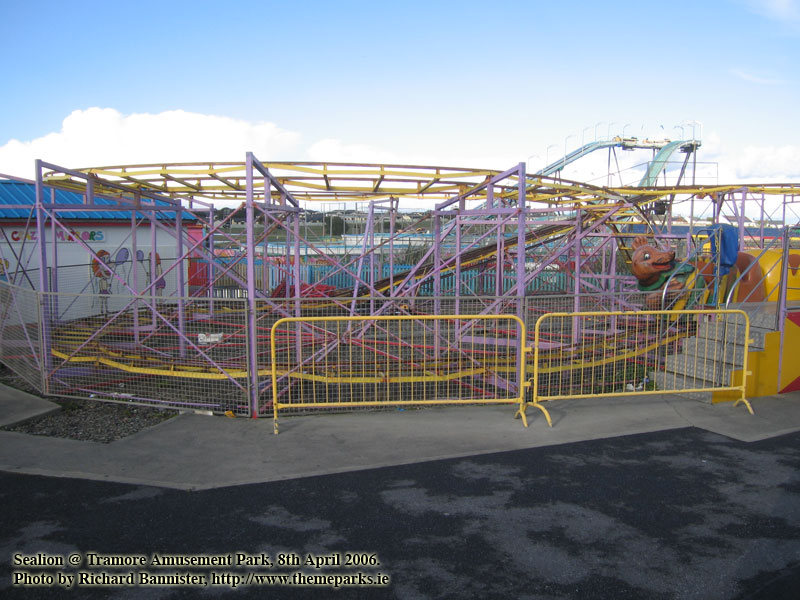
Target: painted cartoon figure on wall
(100, 275)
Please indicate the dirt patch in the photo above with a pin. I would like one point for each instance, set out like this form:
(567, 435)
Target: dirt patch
(86, 420)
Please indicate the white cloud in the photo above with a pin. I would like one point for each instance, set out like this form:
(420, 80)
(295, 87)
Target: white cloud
(104, 137)
(750, 163)
(333, 150)
(768, 163)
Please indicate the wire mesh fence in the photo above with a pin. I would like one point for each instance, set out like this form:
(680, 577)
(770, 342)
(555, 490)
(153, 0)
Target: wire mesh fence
(595, 354)
(20, 333)
(168, 352)
(205, 353)
(345, 362)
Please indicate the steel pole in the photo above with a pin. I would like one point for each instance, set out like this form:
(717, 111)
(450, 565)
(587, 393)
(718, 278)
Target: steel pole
(252, 343)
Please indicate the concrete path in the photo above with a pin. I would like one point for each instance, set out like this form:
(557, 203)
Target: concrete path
(201, 452)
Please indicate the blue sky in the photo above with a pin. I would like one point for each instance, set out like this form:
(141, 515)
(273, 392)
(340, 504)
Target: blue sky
(455, 83)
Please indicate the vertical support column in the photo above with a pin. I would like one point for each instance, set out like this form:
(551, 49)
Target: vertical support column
(457, 309)
(437, 262)
(740, 221)
(153, 266)
(53, 270)
(179, 271)
(287, 257)
(252, 342)
(135, 266)
(370, 231)
(577, 250)
(614, 284)
(296, 261)
(521, 256)
(392, 227)
(210, 270)
(576, 302)
(499, 260)
(298, 303)
(437, 281)
(44, 304)
(521, 212)
(783, 211)
(265, 267)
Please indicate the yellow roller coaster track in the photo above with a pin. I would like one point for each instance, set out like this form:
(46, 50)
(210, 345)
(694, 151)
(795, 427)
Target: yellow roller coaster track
(345, 182)
(99, 354)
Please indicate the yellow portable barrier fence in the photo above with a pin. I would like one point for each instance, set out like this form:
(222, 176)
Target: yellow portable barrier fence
(595, 354)
(397, 360)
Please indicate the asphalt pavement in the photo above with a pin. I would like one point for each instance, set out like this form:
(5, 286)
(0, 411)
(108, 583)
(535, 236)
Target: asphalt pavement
(628, 497)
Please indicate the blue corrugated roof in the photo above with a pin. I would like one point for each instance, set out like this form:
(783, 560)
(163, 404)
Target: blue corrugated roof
(24, 194)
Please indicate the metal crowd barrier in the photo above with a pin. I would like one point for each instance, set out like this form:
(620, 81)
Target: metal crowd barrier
(345, 362)
(596, 354)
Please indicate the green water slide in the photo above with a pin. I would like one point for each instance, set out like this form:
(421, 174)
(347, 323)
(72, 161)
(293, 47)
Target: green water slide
(659, 162)
(665, 150)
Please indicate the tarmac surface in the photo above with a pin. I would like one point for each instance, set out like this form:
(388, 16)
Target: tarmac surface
(629, 497)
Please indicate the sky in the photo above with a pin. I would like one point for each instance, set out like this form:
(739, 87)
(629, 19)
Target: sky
(450, 83)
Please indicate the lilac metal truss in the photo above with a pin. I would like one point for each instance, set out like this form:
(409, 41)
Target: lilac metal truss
(491, 229)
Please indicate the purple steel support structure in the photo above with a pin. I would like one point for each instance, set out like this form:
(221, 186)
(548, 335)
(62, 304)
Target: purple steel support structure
(44, 296)
(337, 266)
(152, 269)
(499, 260)
(458, 261)
(52, 272)
(741, 219)
(437, 281)
(394, 205)
(371, 231)
(360, 264)
(522, 206)
(576, 300)
(287, 254)
(437, 261)
(210, 274)
(135, 265)
(290, 206)
(294, 222)
(181, 281)
(265, 283)
(451, 218)
(171, 205)
(783, 214)
(298, 307)
(252, 341)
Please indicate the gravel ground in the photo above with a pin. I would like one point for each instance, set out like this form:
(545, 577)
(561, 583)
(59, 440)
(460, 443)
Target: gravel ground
(88, 420)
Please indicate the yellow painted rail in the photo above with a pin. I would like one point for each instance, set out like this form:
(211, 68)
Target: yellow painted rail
(596, 354)
(324, 363)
